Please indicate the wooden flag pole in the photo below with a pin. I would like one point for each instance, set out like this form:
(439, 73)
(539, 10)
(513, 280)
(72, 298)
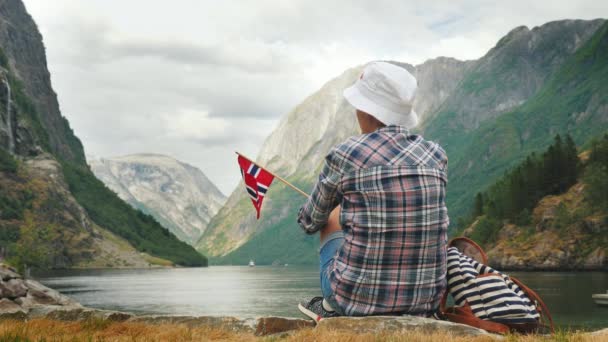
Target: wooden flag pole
(275, 176)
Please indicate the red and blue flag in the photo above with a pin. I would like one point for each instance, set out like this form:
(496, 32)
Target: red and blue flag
(257, 181)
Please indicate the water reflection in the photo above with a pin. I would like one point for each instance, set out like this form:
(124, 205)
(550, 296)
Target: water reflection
(267, 290)
(230, 290)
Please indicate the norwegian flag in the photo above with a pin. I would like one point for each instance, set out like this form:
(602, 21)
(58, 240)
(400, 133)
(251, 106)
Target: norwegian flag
(257, 181)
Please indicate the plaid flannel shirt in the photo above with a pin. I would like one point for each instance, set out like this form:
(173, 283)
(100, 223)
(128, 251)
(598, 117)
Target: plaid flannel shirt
(391, 186)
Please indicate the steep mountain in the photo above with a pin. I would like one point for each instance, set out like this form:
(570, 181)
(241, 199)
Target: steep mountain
(53, 211)
(488, 115)
(532, 85)
(41, 224)
(295, 150)
(24, 54)
(176, 194)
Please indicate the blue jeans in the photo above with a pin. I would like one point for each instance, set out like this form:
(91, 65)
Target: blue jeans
(327, 253)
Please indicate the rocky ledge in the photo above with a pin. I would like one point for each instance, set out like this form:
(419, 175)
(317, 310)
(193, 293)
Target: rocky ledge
(18, 296)
(262, 326)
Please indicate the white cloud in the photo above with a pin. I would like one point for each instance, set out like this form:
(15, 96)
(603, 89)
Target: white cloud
(199, 79)
(194, 125)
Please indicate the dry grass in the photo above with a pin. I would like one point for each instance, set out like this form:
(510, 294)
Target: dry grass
(98, 330)
(50, 330)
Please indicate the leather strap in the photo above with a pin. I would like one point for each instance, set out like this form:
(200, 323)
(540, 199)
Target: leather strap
(461, 241)
(540, 305)
(464, 315)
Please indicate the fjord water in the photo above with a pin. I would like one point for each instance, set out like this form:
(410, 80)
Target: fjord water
(275, 290)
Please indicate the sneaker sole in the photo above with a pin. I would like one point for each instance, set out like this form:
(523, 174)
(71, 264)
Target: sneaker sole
(310, 314)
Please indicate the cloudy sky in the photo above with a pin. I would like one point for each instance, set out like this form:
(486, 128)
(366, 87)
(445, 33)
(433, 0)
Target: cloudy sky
(197, 79)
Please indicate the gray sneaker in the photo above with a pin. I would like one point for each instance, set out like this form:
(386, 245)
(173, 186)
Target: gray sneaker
(317, 309)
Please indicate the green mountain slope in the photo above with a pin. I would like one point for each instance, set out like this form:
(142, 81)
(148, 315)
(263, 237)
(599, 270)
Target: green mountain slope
(281, 240)
(573, 101)
(141, 230)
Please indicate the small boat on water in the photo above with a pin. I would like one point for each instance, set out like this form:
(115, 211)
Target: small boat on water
(601, 298)
(251, 263)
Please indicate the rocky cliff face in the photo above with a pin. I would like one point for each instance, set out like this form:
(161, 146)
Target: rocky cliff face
(564, 234)
(37, 197)
(461, 104)
(178, 195)
(511, 72)
(47, 185)
(23, 52)
(324, 119)
(30, 124)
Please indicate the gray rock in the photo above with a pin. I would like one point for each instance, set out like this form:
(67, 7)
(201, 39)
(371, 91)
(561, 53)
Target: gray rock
(63, 313)
(19, 296)
(227, 323)
(11, 310)
(276, 325)
(600, 333)
(26, 302)
(42, 311)
(19, 315)
(594, 225)
(12, 288)
(379, 324)
(71, 314)
(116, 316)
(39, 297)
(8, 306)
(45, 295)
(7, 273)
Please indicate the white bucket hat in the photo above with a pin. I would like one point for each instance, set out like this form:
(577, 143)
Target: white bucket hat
(385, 91)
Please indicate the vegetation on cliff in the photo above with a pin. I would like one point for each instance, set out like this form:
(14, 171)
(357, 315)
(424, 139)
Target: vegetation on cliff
(513, 196)
(29, 230)
(141, 230)
(42, 226)
(549, 212)
(596, 175)
(283, 241)
(32, 207)
(572, 101)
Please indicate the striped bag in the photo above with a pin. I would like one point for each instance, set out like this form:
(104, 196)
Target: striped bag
(486, 298)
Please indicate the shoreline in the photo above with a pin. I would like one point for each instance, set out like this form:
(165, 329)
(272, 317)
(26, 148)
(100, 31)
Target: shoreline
(505, 269)
(29, 310)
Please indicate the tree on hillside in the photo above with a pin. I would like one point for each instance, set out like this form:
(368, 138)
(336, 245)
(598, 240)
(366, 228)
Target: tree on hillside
(573, 162)
(596, 175)
(36, 246)
(514, 195)
(478, 207)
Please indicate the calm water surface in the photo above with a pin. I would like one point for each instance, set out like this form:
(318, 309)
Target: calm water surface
(270, 290)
